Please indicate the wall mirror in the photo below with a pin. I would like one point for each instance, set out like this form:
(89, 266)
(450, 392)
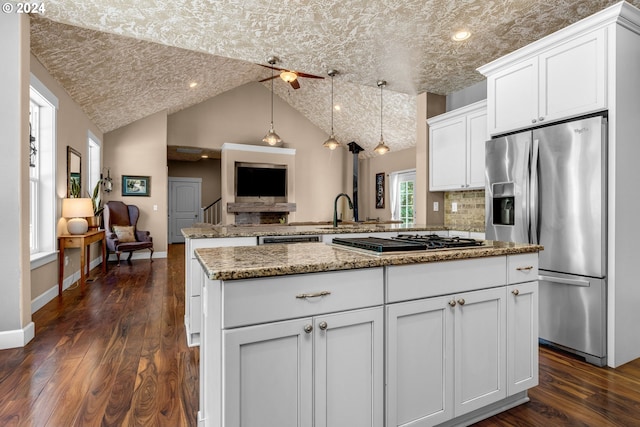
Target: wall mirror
(74, 175)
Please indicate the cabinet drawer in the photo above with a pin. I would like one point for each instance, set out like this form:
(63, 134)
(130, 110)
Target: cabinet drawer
(247, 302)
(522, 268)
(415, 281)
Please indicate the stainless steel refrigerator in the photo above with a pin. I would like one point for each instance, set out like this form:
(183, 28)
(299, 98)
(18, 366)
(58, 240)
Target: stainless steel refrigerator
(548, 186)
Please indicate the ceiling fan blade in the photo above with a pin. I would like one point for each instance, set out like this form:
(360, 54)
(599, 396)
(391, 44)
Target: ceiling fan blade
(294, 84)
(270, 67)
(268, 78)
(310, 76)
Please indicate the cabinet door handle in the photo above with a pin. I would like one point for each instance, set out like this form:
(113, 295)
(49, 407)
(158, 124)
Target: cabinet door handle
(533, 120)
(515, 292)
(461, 301)
(308, 329)
(541, 118)
(323, 325)
(313, 295)
(528, 267)
(452, 303)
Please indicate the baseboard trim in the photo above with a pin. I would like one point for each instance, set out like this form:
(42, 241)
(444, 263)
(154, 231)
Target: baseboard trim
(18, 337)
(41, 300)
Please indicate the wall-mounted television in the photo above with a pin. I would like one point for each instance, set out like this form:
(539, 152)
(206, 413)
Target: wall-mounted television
(261, 182)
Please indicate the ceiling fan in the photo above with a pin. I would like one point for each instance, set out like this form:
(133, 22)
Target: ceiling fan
(288, 76)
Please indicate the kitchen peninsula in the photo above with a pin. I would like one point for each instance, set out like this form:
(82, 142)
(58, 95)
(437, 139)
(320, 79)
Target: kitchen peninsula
(311, 334)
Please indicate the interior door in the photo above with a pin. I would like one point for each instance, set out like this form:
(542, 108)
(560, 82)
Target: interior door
(184, 205)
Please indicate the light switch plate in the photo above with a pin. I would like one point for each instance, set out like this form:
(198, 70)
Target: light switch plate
(454, 207)
(436, 206)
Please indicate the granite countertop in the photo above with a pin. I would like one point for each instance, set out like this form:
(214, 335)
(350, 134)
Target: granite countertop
(246, 262)
(202, 231)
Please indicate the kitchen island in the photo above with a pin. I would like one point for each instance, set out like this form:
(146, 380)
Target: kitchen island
(313, 334)
(208, 236)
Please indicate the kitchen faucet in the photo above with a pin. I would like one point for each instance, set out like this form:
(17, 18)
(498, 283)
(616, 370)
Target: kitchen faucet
(335, 207)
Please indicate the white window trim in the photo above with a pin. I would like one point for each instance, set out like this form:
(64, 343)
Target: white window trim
(48, 254)
(394, 196)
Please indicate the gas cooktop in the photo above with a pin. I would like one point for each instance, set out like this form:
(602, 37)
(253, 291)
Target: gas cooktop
(406, 243)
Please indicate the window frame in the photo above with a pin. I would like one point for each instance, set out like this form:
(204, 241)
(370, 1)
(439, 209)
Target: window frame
(43, 250)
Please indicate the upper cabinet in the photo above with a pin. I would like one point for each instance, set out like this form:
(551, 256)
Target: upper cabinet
(565, 79)
(456, 148)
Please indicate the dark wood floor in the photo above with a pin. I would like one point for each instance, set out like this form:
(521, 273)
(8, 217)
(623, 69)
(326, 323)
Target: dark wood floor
(116, 355)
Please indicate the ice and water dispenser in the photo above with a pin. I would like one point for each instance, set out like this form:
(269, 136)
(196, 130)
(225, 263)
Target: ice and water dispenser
(503, 203)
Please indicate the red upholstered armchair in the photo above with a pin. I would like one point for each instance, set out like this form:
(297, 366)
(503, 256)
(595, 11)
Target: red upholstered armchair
(120, 228)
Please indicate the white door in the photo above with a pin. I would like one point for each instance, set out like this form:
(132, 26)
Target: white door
(420, 363)
(268, 375)
(480, 349)
(184, 205)
(349, 369)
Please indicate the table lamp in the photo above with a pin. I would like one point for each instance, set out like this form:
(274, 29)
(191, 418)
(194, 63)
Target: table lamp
(76, 210)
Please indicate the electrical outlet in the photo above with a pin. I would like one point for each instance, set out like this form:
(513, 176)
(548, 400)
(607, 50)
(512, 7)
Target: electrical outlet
(66, 260)
(436, 206)
(155, 207)
(454, 207)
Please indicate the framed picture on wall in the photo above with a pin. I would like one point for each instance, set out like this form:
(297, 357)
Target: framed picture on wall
(380, 190)
(136, 185)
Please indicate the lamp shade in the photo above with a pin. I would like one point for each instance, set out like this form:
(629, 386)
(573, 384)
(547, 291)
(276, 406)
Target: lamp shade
(77, 210)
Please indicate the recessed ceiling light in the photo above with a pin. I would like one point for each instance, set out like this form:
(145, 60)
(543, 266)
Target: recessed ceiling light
(461, 35)
(193, 84)
(204, 156)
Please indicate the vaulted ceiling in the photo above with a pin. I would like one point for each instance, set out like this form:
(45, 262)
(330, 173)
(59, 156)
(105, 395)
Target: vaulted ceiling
(122, 61)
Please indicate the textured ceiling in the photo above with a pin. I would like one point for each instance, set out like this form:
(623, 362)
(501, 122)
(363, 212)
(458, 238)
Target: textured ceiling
(122, 60)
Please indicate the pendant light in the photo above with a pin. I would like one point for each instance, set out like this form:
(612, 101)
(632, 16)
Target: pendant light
(331, 143)
(381, 148)
(272, 138)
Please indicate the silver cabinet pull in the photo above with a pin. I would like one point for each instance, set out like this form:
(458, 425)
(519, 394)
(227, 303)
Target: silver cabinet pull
(515, 292)
(533, 120)
(452, 303)
(323, 325)
(528, 267)
(461, 301)
(313, 295)
(541, 118)
(308, 329)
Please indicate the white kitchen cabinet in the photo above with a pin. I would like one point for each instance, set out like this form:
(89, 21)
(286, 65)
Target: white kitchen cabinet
(522, 337)
(456, 148)
(328, 367)
(565, 80)
(446, 356)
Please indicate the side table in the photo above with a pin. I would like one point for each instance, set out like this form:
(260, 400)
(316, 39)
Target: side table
(81, 241)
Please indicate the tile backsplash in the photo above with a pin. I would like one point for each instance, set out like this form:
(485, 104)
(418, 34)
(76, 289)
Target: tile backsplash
(470, 209)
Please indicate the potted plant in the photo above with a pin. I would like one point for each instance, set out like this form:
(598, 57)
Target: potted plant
(96, 201)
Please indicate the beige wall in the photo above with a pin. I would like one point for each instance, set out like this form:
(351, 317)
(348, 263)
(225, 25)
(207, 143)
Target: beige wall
(207, 169)
(242, 116)
(429, 105)
(140, 148)
(72, 126)
(393, 161)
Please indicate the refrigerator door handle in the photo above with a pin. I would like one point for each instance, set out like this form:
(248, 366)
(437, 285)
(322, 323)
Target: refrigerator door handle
(572, 282)
(533, 194)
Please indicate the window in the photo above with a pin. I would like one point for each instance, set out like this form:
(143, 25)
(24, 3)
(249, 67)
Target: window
(402, 196)
(93, 165)
(42, 193)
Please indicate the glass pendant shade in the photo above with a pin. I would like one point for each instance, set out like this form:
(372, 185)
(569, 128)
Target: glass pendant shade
(381, 148)
(331, 143)
(288, 76)
(272, 138)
